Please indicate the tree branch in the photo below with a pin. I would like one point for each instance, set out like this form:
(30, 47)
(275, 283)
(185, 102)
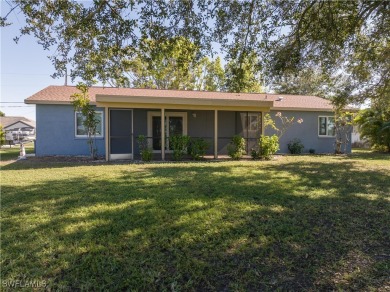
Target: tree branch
(9, 12)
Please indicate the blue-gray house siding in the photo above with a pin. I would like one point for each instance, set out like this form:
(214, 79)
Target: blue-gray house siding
(55, 132)
(307, 132)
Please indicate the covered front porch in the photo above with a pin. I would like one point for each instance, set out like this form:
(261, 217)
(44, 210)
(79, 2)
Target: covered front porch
(215, 121)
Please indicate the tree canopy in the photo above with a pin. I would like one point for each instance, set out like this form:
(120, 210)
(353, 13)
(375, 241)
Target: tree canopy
(374, 124)
(313, 81)
(306, 82)
(242, 74)
(163, 64)
(96, 39)
(173, 64)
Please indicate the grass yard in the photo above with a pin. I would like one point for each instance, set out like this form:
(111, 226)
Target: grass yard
(7, 153)
(296, 223)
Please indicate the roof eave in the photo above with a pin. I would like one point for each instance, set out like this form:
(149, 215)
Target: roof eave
(182, 101)
(59, 102)
(23, 122)
(305, 109)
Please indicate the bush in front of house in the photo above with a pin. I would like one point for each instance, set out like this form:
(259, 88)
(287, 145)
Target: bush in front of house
(295, 146)
(268, 146)
(146, 152)
(197, 148)
(255, 154)
(236, 147)
(179, 144)
(2, 136)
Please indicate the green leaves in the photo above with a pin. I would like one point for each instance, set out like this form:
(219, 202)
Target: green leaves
(179, 144)
(236, 147)
(174, 64)
(374, 125)
(347, 37)
(268, 146)
(197, 148)
(163, 64)
(145, 151)
(295, 146)
(2, 136)
(81, 102)
(98, 40)
(242, 74)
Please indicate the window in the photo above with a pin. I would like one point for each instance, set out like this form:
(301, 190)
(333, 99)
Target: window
(326, 126)
(81, 131)
(253, 122)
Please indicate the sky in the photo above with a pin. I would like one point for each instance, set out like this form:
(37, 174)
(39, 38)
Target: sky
(25, 68)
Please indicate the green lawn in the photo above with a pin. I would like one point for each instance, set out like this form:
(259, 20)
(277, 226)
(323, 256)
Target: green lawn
(7, 153)
(296, 223)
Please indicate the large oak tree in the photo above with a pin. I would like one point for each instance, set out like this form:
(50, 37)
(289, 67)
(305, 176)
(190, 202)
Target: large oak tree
(341, 37)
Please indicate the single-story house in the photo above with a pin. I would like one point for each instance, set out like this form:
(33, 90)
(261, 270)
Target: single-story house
(126, 113)
(16, 123)
(18, 128)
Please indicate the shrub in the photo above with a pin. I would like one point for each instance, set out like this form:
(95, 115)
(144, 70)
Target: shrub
(380, 148)
(295, 146)
(236, 147)
(197, 148)
(146, 152)
(374, 125)
(255, 154)
(179, 144)
(268, 145)
(2, 136)
(312, 151)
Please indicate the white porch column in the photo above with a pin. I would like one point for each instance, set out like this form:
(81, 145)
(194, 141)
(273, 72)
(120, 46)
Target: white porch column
(162, 134)
(215, 134)
(262, 123)
(106, 133)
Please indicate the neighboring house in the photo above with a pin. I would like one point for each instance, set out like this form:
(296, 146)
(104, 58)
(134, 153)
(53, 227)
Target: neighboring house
(18, 128)
(126, 113)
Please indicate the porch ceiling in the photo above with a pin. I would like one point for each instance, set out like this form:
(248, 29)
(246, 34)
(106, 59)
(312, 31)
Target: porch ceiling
(182, 103)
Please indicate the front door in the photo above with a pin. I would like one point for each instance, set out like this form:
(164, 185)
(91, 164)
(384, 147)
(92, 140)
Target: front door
(121, 134)
(175, 124)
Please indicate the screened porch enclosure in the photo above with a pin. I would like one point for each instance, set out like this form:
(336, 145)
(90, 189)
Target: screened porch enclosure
(161, 114)
(127, 124)
(242, 123)
(121, 133)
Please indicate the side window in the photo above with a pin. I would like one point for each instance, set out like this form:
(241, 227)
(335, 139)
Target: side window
(326, 126)
(81, 131)
(253, 121)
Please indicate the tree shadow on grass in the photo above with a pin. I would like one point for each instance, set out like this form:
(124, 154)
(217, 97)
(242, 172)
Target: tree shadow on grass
(42, 164)
(369, 155)
(255, 226)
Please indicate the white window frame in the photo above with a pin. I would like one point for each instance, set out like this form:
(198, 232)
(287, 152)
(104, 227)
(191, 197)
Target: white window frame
(152, 114)
(258, 120)
(86, 136)
(319, 125)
